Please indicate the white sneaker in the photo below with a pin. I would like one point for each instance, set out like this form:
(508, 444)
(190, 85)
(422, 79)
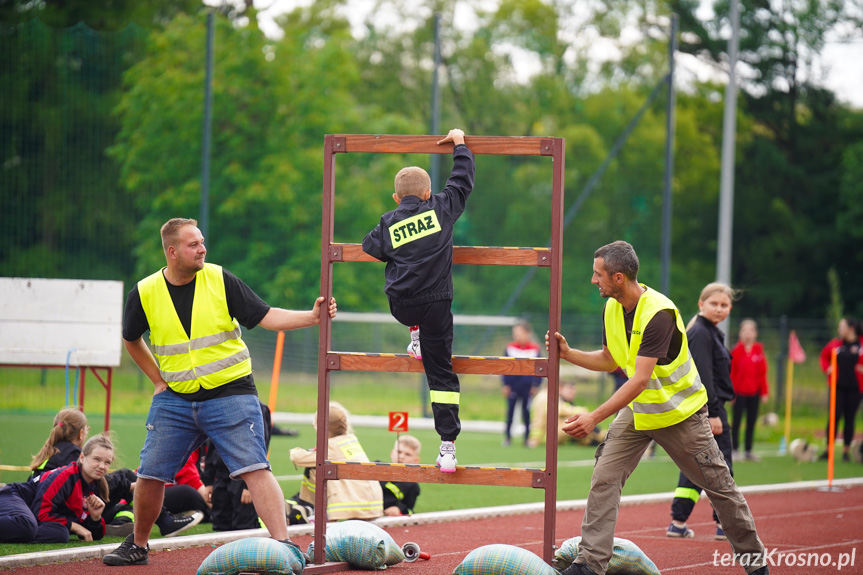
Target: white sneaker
(414, 345)
(446, 458)
(182, 523)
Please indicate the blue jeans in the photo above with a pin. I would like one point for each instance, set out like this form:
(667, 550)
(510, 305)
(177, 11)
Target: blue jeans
(176, 427)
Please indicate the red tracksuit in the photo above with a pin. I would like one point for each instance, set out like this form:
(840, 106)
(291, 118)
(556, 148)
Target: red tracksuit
(60, 499)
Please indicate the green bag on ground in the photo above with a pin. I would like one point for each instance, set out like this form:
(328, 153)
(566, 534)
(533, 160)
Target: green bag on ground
(499, 559)
(362, 545)
(627, 558)
(253, 554)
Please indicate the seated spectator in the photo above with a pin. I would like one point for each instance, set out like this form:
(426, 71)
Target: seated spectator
(119, 512)
(64, 442)
(346, 499)
(400, 497)
(66, 500)
(188, 492)
(63, 447)
(565, 408)
(230, 500)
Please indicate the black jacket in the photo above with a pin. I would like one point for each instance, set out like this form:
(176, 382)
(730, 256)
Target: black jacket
(67, 452)
(713, 361)
(401, 494)
(419, 267)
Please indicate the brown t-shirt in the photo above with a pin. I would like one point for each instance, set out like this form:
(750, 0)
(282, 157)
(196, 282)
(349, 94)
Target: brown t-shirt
(661, 338)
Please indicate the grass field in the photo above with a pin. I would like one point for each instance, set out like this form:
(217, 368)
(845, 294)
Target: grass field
(28, 406)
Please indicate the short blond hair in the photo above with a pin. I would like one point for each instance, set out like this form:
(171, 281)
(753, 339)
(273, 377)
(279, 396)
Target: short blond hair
(412, 181)
(170, 231)
(410, 442)
(339, 420)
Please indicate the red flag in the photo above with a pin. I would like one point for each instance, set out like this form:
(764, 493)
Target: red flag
(795, 350)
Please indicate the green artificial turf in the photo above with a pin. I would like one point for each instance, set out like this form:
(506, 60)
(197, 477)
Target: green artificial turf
(30, 400)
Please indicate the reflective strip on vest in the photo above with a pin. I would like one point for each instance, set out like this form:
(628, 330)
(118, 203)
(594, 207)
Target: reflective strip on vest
(451, 397)
(355, 506)
(687, 493)
(197, 343)
(215, 354)
(394, 489)
(674, 377)
(666, 406)
(674, 391)
(308, 484)
(207, 369)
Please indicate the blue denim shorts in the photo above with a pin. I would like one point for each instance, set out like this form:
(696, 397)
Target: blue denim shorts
(176, 427)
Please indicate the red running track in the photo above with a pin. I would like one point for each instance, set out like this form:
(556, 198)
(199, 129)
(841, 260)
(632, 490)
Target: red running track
(803, 525)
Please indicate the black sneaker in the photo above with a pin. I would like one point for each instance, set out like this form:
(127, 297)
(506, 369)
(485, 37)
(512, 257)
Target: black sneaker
(763, 571)
(181, 523)
(577, 569)
(128, 554)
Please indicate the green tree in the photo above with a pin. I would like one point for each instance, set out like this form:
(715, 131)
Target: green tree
(273, 101)
(61, 69)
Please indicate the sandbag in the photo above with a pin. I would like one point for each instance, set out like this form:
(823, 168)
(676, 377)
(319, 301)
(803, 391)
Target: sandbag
(254, 554)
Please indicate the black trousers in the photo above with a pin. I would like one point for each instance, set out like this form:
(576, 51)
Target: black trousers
(745, 404)
(229, 513)
(19, 525)
(518, 395)
(687, 492)
(847, 402)
(181, 497)
(435, 322)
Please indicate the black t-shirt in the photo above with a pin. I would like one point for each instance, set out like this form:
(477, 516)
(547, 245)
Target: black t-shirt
(661, 338)
(847, 356)
(243, 304)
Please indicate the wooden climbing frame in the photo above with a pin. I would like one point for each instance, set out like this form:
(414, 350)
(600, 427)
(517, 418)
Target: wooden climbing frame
(328, 360)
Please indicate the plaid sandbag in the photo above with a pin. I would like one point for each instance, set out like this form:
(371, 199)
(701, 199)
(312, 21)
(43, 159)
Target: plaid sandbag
(499, 559)
(253, 554)
(363, 545)
(627, 558)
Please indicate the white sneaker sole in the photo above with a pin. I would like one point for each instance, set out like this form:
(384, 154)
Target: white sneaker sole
(197, 516)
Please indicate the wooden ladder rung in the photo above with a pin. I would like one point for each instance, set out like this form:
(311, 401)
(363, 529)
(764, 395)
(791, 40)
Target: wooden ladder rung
(399, 144)
(404, 363)
(461, 255)
(464, 475)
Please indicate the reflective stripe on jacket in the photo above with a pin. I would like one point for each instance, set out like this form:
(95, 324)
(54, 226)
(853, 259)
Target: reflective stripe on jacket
(675, 391)
(215, 354)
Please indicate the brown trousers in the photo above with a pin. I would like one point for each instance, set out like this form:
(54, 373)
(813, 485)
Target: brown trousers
(691, 446)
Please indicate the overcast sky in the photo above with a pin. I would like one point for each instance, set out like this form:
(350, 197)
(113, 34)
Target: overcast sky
(841, 63)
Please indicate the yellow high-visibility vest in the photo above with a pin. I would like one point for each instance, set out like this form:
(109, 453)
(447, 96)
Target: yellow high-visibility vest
(215, 354)
(675, 390)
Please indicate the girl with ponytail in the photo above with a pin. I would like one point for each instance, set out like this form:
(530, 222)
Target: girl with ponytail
(67, 500)
(63, 445)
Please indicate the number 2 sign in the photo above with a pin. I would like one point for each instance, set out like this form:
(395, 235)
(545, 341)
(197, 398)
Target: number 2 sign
(399, 421)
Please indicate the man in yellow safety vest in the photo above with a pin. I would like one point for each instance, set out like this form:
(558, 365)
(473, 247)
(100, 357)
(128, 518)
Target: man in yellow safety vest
(663, 400)
(202, 376)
